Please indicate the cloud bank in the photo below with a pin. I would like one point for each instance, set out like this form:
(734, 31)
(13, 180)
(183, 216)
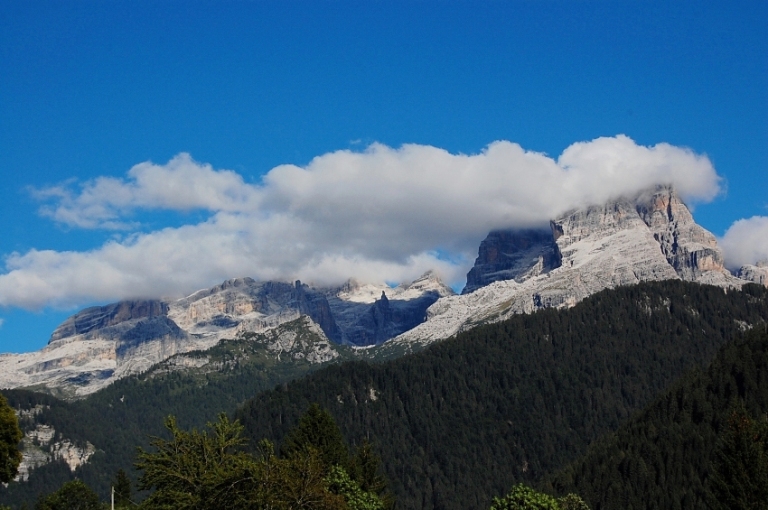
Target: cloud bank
(383, 214)
(746, 242)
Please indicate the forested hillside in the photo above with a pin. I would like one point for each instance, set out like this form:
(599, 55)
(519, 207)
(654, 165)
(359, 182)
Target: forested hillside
(664, 458)
(455, 424)
(121, 417)
(462, 421)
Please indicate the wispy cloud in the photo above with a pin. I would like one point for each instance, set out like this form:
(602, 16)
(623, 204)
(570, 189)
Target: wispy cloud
(379, 214)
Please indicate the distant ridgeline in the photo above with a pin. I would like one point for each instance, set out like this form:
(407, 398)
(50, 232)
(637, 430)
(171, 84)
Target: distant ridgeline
(463, 420)
(515, 401)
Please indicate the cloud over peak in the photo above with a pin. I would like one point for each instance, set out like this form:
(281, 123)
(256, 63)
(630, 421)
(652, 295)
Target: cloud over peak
(384, 213)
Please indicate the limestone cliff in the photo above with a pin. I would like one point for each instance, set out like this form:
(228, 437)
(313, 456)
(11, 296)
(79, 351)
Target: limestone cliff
(371, 314)
(100, 345)
(100, 317)
(757, 273)
(42, 445)
(512, 255)
(648, 237)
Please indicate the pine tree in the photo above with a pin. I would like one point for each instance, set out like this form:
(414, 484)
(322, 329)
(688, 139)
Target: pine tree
(740, 479)
(122, 487)
(318, 430)
(10, 435)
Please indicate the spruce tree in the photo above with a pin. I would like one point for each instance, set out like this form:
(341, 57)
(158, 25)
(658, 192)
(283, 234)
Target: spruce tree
(10, 435)
(317, 430)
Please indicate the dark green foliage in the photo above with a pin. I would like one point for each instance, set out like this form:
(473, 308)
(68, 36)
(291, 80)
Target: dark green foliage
(522, 497)
(124, 415)
(10, 435)
(464, 420)
(317, 429)
(572, 502)
(74, 495)
(664, 458)
(197, 470)
(207, 470)
(365, 468)
(122, 490)
(740, 466)
(339, 482)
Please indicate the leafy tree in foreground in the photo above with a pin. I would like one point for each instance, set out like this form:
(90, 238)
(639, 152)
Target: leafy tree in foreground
(740, 478)
(522, 497)
(10, 435)
(208, 470)
(74, 495)
(356, 498)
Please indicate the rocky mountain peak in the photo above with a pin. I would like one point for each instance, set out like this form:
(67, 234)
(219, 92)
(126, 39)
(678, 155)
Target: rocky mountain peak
(513, 254)
(690, 249)
(756, 273)
(99, 317)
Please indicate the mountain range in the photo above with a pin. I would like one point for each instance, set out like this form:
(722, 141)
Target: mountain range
(649, 237)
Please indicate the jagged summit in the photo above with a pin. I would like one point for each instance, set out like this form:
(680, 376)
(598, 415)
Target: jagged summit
(99, 345)
(625, 241)
(651, 236)
(690, 251)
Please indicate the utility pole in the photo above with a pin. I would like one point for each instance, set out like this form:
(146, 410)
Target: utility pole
(113, 497)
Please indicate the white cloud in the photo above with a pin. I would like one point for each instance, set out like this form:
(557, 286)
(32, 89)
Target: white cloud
(181, 184)
(2, 321)
(746, 242)
(380, 214)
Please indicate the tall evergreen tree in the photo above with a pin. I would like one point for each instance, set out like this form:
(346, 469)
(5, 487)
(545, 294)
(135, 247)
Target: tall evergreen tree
(317, 429)
(10, 435)
(740, 478)
(122, 488)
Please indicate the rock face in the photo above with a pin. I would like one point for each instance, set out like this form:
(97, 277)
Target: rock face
(689, 249)
(512, 255)
(99, 345)
(757, 273)
(242, 304)
(623, 242)
(100, 317)
(366, 320)
(40, 446)
(651, 236)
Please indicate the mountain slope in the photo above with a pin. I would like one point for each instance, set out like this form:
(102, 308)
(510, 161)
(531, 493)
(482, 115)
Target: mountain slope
(651, 237)
(193, 386)
(100, 345)
(662, 458)
(461, 421)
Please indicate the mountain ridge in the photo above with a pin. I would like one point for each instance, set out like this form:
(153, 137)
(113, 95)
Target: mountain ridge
(649, 237)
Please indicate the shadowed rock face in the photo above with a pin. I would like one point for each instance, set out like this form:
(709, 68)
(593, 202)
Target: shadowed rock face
(143, 331)
(386, 318)
(366, 320)
(512, 255)
(100, 317)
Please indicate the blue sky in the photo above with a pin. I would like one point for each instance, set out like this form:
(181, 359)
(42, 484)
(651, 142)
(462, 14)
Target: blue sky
(152, 148)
